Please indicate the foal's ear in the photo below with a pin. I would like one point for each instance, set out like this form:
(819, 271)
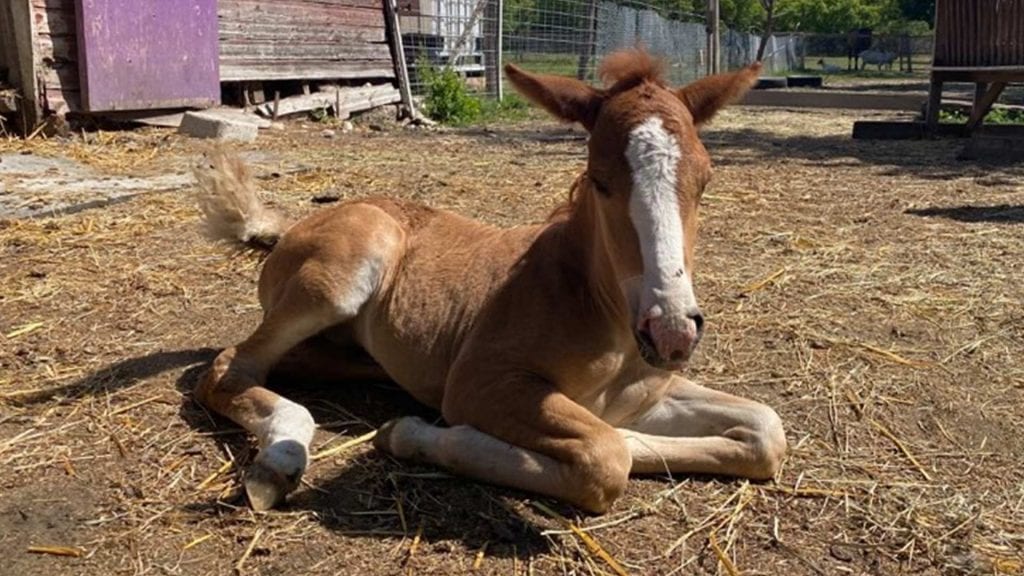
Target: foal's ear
(566, 98)
(707, 96)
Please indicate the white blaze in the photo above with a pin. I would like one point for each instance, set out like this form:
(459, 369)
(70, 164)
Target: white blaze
(653, 155)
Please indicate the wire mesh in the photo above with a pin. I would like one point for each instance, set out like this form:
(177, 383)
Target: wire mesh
(841, 53)
(567, 37)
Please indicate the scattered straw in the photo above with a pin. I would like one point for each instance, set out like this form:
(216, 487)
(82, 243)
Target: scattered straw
(26, 329)
(209, 479)
(722, 557)
(587, 539)
(478, 560)
(197, 541)
(760, 284)
(344, 446)
(903, 448)
(73, 552)
(135, 405)
(248, 550)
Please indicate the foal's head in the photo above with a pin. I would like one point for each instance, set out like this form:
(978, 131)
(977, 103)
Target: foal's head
(646, 169)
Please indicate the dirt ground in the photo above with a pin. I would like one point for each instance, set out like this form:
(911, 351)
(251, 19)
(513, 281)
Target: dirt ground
(870, 291)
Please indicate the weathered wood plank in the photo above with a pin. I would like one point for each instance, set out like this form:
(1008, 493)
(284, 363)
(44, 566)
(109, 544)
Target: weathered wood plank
(890, 130)
(290, 14)
(350, 99)
(293, 5)
(54, 50)
(54, 21)
(238, 31)
(243, 70)
(333, 52)
(55, 5)
(23, 24)
(8, 101)
(302, 39)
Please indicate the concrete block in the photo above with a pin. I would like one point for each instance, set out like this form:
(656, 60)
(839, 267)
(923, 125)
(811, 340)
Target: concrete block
(205, 125)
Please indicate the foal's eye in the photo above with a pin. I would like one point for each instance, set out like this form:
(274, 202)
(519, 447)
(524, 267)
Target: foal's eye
(600, 187)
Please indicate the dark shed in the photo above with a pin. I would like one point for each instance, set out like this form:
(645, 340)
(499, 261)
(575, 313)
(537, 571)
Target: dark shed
(979, 41)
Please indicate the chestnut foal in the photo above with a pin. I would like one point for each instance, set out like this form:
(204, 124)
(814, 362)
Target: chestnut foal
(551, 350)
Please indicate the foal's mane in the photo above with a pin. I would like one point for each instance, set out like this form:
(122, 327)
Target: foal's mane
(627, 68)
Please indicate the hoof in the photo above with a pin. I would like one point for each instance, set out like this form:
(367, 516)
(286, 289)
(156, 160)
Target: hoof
(275, 473)
(395, 435)
(265, 487)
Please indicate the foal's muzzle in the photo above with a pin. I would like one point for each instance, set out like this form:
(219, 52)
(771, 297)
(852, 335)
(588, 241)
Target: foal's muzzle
(669, 342)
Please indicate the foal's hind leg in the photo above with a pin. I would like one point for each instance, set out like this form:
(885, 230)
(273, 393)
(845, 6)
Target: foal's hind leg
(234, 388)
(325, 280)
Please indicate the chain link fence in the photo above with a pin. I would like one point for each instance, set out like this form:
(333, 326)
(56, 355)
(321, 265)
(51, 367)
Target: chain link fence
(842, 53)
(567, 37)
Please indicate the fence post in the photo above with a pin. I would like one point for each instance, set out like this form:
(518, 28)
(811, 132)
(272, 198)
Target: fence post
(25, 53)
(398, 51)
(714, 38)
(493, 17)
(589, 40)
(802, 38)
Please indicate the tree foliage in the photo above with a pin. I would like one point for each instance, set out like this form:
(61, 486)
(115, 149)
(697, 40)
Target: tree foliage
(829, 16)
(817, 16)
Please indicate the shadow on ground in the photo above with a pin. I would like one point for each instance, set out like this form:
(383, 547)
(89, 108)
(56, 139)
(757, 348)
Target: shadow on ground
(1004, 213)
(371, 494)
(929, 159)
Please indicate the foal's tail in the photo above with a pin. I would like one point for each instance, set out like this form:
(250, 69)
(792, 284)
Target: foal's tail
(233, 211)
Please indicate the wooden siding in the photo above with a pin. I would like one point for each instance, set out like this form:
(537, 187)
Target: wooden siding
(259, 40)
(303, 39)
(979, 33)
(57, 54)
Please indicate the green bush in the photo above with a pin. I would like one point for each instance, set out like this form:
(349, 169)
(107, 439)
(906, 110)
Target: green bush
(446, 98)
(994, 116)
(512, 108)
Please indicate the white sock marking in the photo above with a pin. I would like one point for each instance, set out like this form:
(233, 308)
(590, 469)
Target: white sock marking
(653, 154)
(288, 424)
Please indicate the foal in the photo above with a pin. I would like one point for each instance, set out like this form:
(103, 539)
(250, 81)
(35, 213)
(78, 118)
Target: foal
(551, 350)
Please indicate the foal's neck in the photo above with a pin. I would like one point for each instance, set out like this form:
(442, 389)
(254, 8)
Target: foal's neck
(588, 246)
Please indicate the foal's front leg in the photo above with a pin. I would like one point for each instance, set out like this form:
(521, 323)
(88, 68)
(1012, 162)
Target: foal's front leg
(698, 430)
(524, 435)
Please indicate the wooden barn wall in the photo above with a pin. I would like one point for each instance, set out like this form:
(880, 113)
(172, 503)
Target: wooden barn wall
(57, 54)
(303, 39)
(8, 56)
(259, 40)
(979, 33)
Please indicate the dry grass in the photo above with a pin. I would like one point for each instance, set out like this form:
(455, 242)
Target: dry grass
(870, 291)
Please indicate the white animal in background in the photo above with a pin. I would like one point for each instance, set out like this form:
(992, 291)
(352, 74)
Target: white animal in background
(878, 57)
(830, 68)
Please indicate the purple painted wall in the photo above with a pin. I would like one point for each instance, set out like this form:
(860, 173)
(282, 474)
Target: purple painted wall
(143, 54)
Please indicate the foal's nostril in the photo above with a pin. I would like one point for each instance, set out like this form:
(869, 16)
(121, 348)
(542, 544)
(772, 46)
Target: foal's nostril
(698, 320)
(676, 356)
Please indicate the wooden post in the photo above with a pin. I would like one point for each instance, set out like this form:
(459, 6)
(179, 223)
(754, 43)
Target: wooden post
(492, 48)
(25, 76)
(931, 118)
(589, 39)
(394, 32)
(803, 50)
(714, 37)
(498, 56)
(983, 101)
